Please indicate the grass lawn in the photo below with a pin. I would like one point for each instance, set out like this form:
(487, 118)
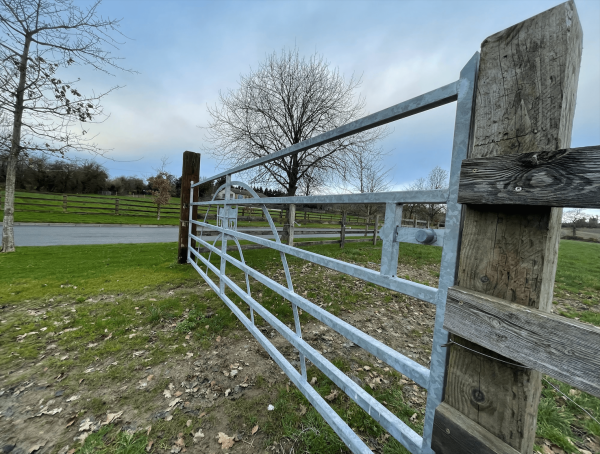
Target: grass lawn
(91, 307)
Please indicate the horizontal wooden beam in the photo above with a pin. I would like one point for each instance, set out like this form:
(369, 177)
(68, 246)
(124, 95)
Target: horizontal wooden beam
(563, 178)
(454, 432)
(560, 347)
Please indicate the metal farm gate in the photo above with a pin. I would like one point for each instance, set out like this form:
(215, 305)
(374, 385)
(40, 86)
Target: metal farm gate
(392, 233)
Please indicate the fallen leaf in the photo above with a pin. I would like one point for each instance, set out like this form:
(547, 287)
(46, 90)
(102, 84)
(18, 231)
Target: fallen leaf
(255, 429)
(219, 340)
(174, 402)
(85, 425)
(178, 393)
(413, 417)
(197, 436)
(73, 398)
(71, 451)
(81, 381)
(110, 417)
(36, 447)
(171, 387)
(131, 336)
(225, 441)
(201, 414)
(175, 449)
(169, 417)
(150, 377)
(70, 424)
(366, 368)
(332, 396)
(302, 410)
(167, 394)
(148, 431)
(149, 447)
(188, 423)
(313, 381)
(189, 354)
(187, 337)
(179, 441)
(64, 357)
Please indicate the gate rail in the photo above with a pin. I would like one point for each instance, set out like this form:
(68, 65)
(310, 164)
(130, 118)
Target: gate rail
(392, 233)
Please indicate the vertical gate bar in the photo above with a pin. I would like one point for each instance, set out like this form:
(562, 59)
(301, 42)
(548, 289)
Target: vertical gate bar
(190, 211)
(224, 238)
(390, 248)
(461, 143)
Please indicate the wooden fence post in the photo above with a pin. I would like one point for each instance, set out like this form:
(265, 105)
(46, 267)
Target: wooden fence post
(527, 85)
(64, 203)
(375, 228)
(291, 219)
(116, 207)
(190, 171)
(343, 231)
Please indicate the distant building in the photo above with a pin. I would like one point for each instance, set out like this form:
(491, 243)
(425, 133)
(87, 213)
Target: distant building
(238, 194)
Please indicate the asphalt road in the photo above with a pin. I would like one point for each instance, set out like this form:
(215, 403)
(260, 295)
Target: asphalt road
(57, 235)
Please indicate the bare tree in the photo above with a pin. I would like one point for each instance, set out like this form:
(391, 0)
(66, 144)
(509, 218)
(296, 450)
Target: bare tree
(39, 39)
(437, 179)
(286, 100)
(575, 217)
(366, 173)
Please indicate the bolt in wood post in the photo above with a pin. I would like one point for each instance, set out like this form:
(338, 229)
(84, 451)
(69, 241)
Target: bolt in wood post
(343, 231)
(375, 228)
(190, 171)
(64, 203)
(525, 102)
(116, 207)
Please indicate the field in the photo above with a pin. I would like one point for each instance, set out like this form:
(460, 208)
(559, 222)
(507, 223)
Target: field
(121, 350)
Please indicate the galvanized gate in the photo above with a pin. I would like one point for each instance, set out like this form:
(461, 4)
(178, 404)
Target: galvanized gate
(391, 233)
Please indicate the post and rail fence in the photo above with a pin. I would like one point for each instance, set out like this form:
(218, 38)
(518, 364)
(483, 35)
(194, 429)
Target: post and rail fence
(511, 173)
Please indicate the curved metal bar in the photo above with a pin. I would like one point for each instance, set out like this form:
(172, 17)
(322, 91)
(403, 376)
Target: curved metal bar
(245, 274)
(288, 276)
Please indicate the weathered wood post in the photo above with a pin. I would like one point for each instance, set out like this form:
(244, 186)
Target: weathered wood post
(190, 171)
(64, 207)
(288, 228)
(343, 231)
(375, 228)
(527, 85)
(116, 207)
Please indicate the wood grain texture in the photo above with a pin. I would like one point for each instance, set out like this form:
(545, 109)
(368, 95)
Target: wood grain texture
(528, 336)
(562, 178)
(190, 172)
(453, 432)
(525, 101)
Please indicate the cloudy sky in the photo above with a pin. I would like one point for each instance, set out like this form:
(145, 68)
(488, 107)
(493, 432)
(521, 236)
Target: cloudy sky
(185, 51)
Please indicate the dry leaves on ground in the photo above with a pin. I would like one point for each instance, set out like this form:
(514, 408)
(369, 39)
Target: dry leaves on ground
(225, 440)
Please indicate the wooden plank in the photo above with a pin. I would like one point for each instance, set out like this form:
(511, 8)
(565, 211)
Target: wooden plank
(562, 178)
(190, 172)
(528, 336)
(454, 432)
(525, 102)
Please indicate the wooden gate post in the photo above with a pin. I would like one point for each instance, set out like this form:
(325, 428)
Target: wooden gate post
(527, 85)
(190, 171)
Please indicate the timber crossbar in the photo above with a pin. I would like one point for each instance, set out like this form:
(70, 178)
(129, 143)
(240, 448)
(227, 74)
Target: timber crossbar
(562, 178)
(392, 234)
(558, 346)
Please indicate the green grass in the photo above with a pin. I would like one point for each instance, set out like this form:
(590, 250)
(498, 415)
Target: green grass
(136, 274)
(578, 268)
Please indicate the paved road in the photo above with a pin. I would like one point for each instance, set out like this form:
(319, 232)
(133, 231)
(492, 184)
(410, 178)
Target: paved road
(54, 235)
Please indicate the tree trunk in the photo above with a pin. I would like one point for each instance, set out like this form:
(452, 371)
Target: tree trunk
(158, 212)
(8, 234)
